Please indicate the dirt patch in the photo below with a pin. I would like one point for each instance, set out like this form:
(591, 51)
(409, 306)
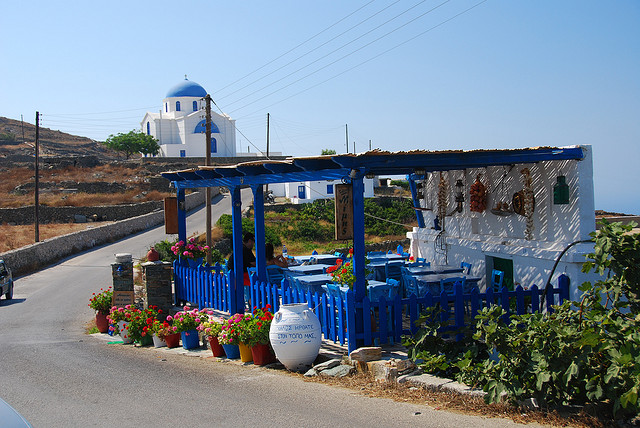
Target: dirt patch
(19, 236)
(465, 404)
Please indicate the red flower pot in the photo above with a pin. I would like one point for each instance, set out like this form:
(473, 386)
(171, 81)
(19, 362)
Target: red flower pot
(262, 354)
(101, 322)
(173, 340)
(216, 347)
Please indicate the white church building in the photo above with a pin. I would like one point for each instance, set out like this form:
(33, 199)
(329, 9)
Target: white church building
(180, 125)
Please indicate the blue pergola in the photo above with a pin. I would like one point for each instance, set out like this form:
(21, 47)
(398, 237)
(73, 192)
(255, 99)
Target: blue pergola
(349, 168)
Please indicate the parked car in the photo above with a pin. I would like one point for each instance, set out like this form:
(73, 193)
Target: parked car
(6, 281)
(10, 417)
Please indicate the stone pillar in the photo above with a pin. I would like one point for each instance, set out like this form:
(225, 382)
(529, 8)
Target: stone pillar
(122, 274)
(157, 286)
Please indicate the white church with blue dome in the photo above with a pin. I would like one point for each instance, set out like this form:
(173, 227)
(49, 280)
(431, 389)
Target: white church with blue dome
(180, 125)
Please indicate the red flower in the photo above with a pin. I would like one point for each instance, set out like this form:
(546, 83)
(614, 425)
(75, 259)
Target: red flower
(344, 271)
(350, 250)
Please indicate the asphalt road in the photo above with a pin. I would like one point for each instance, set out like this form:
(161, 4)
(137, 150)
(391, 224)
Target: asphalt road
(57, 376)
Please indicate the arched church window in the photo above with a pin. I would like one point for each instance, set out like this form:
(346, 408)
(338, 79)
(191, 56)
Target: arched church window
(148, 128)
(201, 128)
(166, 107)
(177, 105)
(195, 106)
(214, 145)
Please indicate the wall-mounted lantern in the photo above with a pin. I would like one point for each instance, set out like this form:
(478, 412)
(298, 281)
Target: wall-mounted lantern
(561, 191)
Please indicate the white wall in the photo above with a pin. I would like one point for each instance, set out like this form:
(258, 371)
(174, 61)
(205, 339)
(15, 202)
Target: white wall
(476, 237)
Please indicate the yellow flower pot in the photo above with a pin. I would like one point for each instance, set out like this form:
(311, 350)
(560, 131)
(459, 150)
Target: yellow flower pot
(245, 353)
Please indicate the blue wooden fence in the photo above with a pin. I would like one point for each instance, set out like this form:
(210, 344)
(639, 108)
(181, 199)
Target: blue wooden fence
(367, 322)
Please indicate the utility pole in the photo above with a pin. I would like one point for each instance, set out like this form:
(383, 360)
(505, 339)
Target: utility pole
(267, 135)
(208, 163)
(267, 187)
(354, 147)
(369, 145)
(37, 173)
(346, 130)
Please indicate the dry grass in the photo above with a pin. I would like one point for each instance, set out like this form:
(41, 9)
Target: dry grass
(461, 403)
(19, 236)
(9, 179)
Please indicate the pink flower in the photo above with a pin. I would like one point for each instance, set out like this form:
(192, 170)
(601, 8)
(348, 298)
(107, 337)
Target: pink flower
(169, 318)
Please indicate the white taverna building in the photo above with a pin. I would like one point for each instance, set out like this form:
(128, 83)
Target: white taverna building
(180, 125)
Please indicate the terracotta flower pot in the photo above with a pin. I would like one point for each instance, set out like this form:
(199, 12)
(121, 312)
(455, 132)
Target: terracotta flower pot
(173, 340)
(262, 354)
(101, 322)
(216, 347)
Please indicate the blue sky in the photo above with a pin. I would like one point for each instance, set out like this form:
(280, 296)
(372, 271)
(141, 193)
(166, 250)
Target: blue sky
(406, 75)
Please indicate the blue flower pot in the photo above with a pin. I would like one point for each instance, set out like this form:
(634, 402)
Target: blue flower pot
(232, 351)
(190, 339)
(193, 264)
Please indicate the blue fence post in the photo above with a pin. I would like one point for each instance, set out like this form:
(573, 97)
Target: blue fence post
(458, 305)
(564, 284)
(351, 320)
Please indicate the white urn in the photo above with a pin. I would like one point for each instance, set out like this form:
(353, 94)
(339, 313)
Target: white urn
(295, 336)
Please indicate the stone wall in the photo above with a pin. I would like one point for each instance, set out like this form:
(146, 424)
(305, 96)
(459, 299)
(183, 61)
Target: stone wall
(26, 215)
(36, 256)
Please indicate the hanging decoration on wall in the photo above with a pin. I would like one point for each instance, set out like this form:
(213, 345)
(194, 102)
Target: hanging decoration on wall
(443, 198)
(524, 202)
(478, 196)
(502, 207)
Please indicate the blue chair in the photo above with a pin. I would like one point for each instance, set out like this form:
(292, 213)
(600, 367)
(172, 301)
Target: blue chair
(422, 260)
(410, 286)
(466, 268)
(497, 277)
(447, 284)
(394, 288)
(314, 253)
(274, 274)
(392, 270)
(334, 290)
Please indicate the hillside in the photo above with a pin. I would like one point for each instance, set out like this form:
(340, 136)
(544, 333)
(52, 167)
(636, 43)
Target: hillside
(52, 143)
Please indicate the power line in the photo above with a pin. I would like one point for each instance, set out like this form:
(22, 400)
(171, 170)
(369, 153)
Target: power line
(311, 51)
(343, 46)
(366, 61)
(297, 46)
(341, 58)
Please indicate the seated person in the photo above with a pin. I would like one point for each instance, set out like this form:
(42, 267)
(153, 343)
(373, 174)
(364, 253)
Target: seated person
(248, 259)
(273, 260)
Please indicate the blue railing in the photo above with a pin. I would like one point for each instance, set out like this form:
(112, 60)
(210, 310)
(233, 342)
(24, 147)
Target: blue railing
(363, 323)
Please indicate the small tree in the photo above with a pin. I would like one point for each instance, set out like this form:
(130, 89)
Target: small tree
(133, 142)
(328, 152)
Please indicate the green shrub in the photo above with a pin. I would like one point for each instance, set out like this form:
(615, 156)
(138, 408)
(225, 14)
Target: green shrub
(581, 352)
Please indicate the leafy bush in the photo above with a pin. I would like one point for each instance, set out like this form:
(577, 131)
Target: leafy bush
(225, 224)
(400, 183)
(581, 352)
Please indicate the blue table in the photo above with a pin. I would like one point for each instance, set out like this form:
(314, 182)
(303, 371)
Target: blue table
(387, 257)
(306, 269)
(343, 290)
(324, 259)
(431, 282)
(435, 269)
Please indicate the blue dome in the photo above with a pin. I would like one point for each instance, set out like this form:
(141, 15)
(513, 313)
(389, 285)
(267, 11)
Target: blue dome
(186, 88)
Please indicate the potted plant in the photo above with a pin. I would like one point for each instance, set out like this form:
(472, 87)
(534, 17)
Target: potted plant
(101, 303)
(245, 327)
(190, 251)
(342, 273)
(211, 329)
(121, 317)
(186, 323)
(229, 336)
(259, 339)
(159, 331)
(140, 325)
